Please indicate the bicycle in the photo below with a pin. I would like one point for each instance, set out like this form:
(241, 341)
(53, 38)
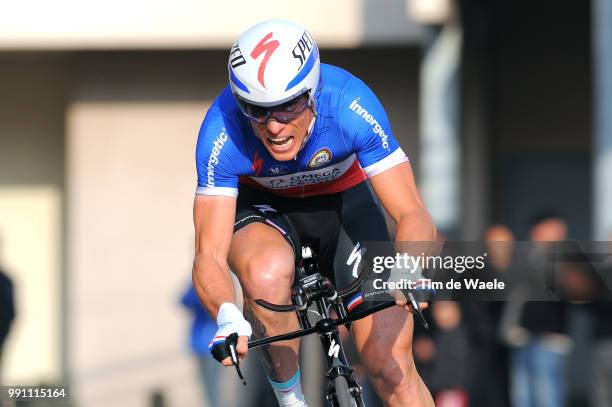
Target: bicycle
(342, 388)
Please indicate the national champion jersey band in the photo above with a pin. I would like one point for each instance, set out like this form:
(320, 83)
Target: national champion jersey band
(351, 141)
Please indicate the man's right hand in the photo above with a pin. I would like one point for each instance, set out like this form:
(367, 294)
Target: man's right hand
(230, 320)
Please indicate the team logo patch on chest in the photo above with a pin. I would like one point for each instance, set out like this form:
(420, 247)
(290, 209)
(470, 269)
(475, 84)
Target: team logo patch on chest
(319, 158)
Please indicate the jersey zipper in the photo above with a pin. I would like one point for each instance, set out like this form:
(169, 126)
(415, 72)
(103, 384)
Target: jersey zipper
(299, 174)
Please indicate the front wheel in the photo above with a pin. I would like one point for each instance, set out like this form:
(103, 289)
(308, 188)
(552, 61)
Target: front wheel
(344, 397)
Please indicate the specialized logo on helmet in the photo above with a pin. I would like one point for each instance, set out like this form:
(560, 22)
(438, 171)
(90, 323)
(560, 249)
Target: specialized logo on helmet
(319, 158)
(282, 60)
(304, 45)
(261, 47)
(236, 57)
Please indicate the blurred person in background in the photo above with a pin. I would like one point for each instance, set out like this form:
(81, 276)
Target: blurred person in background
(481, 311)
(492, 390)
(218, 383)
(481, 318)
(424, 350)
(7, 308)
(601, 391)
(449, 381)
(537, 331)
(203, 329)
(499, 241)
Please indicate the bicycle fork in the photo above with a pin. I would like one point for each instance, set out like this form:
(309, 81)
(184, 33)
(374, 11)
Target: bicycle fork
(337, 364)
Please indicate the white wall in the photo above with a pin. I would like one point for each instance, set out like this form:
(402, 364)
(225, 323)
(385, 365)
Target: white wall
(31, 212)
(111, 24)
(30, 235)
(131, 185)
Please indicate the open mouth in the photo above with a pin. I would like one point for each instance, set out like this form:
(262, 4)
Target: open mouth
(280, 143)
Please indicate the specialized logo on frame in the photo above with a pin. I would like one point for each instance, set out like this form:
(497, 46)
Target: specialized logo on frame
(334, 349)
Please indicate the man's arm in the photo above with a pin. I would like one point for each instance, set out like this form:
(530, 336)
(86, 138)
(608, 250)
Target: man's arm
(213, 218)
(397, 191)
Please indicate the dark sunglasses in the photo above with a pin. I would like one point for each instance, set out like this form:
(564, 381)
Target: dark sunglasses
(283, 113)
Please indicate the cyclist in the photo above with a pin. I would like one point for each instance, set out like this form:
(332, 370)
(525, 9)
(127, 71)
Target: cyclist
(282, 158)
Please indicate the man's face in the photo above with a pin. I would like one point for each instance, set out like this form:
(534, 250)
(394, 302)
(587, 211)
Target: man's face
(283, 140)
(549, 230)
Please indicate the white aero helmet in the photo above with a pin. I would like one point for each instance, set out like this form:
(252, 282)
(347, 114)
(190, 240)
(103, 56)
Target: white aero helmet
(273, 62)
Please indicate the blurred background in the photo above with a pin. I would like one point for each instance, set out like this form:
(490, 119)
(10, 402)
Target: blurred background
(504, 108)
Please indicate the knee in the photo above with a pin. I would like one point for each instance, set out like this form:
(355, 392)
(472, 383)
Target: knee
(394, 376)
(388, 372)
(269, 276)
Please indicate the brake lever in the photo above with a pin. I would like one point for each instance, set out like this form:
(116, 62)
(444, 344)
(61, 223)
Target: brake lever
(232, 340)
(417, 310)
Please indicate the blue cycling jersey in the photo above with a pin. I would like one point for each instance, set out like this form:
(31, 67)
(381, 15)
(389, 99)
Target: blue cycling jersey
(351, 140)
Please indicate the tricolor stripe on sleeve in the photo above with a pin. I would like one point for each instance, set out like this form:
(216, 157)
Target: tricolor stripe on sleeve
(393, 159)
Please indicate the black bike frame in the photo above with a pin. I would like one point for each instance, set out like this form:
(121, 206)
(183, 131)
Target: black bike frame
(315, 289)
(312, 288)
(327, 328)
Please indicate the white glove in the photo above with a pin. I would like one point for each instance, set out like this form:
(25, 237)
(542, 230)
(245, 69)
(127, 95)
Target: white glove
(229, 320)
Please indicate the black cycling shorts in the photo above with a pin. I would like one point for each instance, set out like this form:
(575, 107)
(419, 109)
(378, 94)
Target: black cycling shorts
(336, 225)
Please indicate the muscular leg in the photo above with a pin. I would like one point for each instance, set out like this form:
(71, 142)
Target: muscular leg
(264, 263)
(384, 339)
(384, 342)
